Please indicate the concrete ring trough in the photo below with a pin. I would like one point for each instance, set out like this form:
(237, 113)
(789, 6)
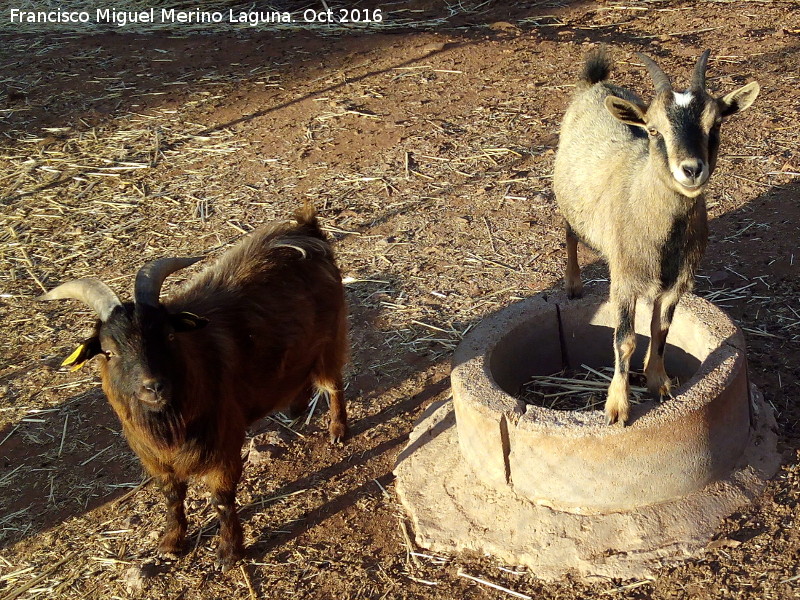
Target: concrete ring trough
(560, 491)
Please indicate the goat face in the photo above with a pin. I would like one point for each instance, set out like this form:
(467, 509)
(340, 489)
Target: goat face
(683, 127)
(136, 339)
(139, 346)
(140, 354)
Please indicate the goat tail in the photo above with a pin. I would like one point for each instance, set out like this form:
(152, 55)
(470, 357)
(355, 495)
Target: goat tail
(306, 217)
(597, 66)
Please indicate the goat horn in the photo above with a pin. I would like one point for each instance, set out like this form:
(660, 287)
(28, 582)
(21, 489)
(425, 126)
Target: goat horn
(151, 276)
(93, 292)
(658, 76)
(699, 76)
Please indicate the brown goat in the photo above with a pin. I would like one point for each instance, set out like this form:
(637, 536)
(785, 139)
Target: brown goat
(252, 334)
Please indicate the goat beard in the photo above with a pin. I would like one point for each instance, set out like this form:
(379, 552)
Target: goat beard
(166, 427)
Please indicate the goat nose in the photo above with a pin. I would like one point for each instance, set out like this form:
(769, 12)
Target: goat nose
(692, 169)
(153, 385)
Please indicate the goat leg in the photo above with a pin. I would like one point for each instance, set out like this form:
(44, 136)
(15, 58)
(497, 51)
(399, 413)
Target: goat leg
(338, 410)
(658, 382)
(174, 492)
(572, 276)
(617, 405)
(299, 405)
(222, 482)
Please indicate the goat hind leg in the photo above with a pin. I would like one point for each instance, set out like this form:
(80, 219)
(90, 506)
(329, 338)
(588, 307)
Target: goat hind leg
(617, 404)
(174, 535)
(572, 276)
(328, 378)
(334, 386)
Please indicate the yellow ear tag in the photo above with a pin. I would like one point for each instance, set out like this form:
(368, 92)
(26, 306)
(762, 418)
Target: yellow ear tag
(74, 356)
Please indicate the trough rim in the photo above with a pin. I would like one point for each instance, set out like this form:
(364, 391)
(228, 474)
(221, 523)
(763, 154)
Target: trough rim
(705, 384)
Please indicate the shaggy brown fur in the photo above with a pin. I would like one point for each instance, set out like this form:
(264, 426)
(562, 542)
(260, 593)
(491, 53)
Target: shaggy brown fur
(254, 333)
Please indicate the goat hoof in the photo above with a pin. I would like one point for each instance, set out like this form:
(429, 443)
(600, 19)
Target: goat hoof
(574, 291)
(616, 414)
(226, 559)
(225, 564)
(658, 382)
(617, 405)
(661, 389)
(338, 432)
(171, 545)
(613, 419)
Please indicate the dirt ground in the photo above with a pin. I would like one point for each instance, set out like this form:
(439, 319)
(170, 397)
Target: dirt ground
(427, 146)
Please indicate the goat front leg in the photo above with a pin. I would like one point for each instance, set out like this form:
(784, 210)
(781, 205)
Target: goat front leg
(572, 277)
(174, 535)
(222, 481)
(617, 404)
(658, 382)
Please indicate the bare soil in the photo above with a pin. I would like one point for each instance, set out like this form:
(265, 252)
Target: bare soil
(427, 149)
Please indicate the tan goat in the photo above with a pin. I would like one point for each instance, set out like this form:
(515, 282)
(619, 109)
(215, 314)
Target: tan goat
(629, 179)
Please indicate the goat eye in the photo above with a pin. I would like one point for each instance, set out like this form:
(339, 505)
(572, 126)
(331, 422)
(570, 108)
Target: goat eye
(108, 353)
(652, 131)
(171, 336)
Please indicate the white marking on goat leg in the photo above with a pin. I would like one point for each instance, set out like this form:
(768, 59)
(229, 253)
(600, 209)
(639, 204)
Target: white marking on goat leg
(683, 98)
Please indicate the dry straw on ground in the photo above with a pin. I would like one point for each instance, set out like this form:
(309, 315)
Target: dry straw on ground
(579, 389)
(114, 154)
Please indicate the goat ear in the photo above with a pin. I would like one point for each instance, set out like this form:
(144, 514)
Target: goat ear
(625, 111)
(739, 100)
(85, 350)
(186, 321)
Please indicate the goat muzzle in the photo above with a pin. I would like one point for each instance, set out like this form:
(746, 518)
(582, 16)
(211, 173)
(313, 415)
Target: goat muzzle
(153, 393)
(692, 173)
